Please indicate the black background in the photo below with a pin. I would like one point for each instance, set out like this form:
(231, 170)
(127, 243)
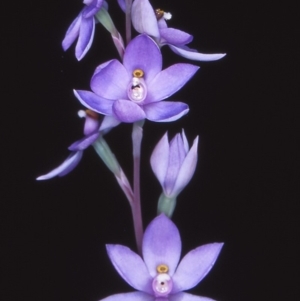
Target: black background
(244, 191)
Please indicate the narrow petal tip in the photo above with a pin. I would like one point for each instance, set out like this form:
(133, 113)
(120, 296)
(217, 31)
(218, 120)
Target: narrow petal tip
(67, 166)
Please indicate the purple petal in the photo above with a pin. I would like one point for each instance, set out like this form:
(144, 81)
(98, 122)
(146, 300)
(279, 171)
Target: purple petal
(188, 297)
(195, 55)
(83, 143)
(143, 53)
(72, 33)
(92, 8)
(94, 102)
(122, 5)
(110, 80)
(165, 111)
(162, 23)
(187, 169)
(91, 125)
(131, 267)
(144, 19)
(161, 245)
(85, 39)
(160, 159)
(185, 142)
(169, 81)
(176, 158)
(67, 166)
(175, 36)
(194, 266)
(128, 111)
(134, 296)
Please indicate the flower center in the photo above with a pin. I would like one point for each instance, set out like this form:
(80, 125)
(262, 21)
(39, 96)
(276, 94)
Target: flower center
(137, 90)
(162, 285)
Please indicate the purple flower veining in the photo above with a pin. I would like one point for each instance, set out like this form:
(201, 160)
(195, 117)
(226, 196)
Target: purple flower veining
(146, 20)
(83, 28)
(159, 275)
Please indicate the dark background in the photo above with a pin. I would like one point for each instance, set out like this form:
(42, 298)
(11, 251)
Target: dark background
(244, 191)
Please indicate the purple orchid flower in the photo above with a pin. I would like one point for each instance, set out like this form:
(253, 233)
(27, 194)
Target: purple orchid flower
(174, 163)
(158, 276)
(146, 20)
(91, 131)
(134, 90)
(83, 27)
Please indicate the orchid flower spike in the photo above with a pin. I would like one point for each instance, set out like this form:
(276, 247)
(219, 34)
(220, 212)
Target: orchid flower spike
(83, 28)
(134, 90)
(174, 165)
(158, 276)
(153, 22)
(92, 130)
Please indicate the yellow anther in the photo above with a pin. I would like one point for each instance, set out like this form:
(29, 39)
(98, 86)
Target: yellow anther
(159, 13)
(162, 268)
(138, 73)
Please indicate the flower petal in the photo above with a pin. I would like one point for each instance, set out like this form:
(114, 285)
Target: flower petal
(192, 54)
(169, 81)
(128, 111)
(110, 80)
(187, 169)
(185, 142)
(175, 36)
(92, 8)
(85, 39)
(94, 102)
(194, 266)
(122, 4)
(131, 267)
(188, 297)
(83, 143)
(143, 53)
(160, 159)
(144, 19)
(161, 245)
(165, 111)
(134, 296)
(162, 23)
(72, 33)
(91, 124)
(176, 158)
(67, 166)
(88, 2)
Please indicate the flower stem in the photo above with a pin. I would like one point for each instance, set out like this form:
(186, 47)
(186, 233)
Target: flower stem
(137, 135)
(128, 20)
